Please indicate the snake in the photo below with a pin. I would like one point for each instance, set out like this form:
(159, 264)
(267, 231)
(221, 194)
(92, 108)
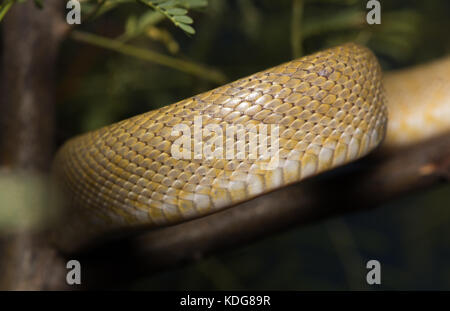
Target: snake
(418, 103)
(294, 121)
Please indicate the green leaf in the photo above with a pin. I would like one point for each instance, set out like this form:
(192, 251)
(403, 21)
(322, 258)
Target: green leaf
(193, 4)
(183, 19)
(187, 28)
(168, 4)
(177, 11)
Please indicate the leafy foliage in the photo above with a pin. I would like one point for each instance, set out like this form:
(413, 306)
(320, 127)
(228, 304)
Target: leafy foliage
(176, 11)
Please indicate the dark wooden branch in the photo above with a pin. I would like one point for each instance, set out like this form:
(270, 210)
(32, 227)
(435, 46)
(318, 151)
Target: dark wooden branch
(30, 44)
(365, 184)
(31, 40)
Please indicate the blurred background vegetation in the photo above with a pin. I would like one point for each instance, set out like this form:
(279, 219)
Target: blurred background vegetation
(127, 58)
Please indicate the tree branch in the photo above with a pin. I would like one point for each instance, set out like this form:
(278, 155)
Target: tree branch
(31, 40)
(365, 184)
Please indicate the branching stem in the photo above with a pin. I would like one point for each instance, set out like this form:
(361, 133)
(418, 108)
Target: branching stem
(152, 56)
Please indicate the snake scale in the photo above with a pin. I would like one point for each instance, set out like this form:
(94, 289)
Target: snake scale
(329, 109)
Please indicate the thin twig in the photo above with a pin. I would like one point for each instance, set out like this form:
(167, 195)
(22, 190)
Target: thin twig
(296, 28)
(161, 59)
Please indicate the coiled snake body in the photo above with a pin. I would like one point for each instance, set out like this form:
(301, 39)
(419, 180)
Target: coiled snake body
(328, 107)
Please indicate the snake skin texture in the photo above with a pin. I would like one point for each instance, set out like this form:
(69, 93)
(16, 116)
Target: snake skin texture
(418, 103)
(329, 110)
